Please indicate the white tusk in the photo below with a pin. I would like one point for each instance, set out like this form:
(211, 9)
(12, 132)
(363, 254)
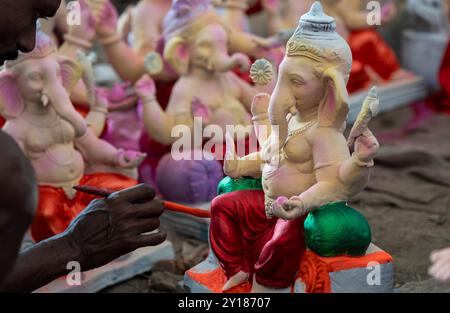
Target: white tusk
(44, 100)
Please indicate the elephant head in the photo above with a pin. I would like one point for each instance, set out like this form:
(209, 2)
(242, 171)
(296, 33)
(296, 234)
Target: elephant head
(195, 35)
(41, 78)
(313, 75)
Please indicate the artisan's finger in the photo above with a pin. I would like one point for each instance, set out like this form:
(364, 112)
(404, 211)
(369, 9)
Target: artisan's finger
(145, 225)
(136, 194)
(152, 208)
(153, 239)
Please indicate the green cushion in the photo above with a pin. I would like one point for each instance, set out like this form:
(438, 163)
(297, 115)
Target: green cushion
(229, 184)
(337, 229)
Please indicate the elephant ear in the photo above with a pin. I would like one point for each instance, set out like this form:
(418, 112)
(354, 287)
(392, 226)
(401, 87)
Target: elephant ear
(11, 102)
(176, 52)
(71, 72)
(334, 108)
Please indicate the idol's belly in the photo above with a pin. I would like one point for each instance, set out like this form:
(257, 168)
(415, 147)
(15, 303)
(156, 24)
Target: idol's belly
(58, 165)
(286, 180)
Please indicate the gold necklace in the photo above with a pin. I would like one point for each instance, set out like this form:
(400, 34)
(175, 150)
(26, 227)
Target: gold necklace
(302, 129)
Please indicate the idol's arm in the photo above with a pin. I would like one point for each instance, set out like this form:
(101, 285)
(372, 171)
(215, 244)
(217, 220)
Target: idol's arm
(250, 165)
(160, 124)
(339, 175)
(97, 151)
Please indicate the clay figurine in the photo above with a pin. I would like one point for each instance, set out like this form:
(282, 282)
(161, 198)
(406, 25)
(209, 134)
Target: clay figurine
(374, 62)
(55, 137)
(307, 169)
(196, 48)
(441, 265)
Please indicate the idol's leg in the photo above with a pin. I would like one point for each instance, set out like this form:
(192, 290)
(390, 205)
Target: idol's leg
(280, 258)
(238, 227)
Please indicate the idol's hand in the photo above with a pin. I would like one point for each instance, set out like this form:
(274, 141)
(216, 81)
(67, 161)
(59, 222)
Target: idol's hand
(388, 12)
(271, 6)
(366, 146)
(145, 87)
(129, 158)
(101, 100)
(106, 17)
(231, 162)
(441, 265)
(289, 209)
(84, 30)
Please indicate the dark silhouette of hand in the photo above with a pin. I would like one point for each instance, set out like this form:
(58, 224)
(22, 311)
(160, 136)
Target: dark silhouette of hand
(109, 228)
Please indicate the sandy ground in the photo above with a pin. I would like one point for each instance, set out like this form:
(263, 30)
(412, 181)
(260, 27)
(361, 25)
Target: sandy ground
(408, 235)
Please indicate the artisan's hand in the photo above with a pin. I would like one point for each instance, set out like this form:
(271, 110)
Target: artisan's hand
(289, 209)
(441, 265)
(109, 228)
(366, 146)
(129, 158)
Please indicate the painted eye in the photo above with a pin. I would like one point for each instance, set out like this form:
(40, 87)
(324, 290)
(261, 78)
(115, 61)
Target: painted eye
(36, 77)
(297, 82)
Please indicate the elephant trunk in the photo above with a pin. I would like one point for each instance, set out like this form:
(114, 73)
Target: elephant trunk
(280, 105)
(224, 62)
(58, 97)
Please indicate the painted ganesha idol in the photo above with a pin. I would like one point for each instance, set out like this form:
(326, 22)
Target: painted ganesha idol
(296, 233)
(64, 151)
(208, 93)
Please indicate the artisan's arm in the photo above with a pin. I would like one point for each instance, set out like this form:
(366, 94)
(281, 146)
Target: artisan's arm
(40, 264)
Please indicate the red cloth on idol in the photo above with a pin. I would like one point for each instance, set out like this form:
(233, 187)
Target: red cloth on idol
(55, 211)
(243, 239)
(369, 49)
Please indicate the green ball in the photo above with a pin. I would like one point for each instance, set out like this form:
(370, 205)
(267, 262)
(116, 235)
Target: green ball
(337, 229)
(229, 184)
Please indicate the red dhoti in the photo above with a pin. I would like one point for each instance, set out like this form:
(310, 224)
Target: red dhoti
(55, 211)
(244, 239)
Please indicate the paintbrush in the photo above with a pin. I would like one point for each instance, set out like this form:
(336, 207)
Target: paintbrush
(171, 206)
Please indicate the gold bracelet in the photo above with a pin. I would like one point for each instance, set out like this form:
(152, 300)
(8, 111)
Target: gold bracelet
(111, 40)
(362, 163)
(80, 42)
